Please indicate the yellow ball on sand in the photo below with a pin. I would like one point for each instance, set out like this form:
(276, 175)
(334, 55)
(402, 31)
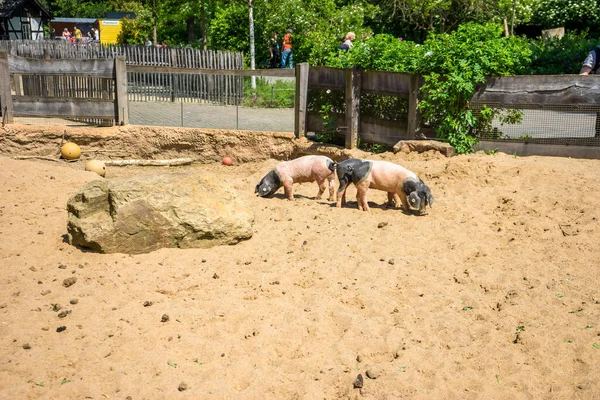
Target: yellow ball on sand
(96, 166)
(70, 151)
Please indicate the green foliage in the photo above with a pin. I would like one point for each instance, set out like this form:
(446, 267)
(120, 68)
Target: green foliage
(327, 117)
(85, 9)
(503, 116)
(381, 52)
(560, 56)
(383, 107)
(229, 27)
(279, 94)
(316, 26)
(135, 31)
(454, 64)
(375, 148)
(572, 14)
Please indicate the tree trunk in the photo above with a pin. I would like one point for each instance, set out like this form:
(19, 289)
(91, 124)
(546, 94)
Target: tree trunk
(191, 29)
(203, 22)
(154, 22)
(512, 21)
(252, 54)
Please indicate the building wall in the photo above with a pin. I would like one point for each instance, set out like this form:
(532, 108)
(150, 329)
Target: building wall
(15, 28)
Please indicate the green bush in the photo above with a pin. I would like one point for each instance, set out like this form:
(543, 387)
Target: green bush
(278, 94)
(560, 56)
(452, 66)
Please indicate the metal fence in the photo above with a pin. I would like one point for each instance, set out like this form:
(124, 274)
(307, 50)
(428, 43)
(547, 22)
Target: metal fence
(554, 124)
(270, 107)
(148, 87)
(142, 86)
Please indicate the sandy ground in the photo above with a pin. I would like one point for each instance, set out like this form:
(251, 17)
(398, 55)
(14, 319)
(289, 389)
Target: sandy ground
(494, 294)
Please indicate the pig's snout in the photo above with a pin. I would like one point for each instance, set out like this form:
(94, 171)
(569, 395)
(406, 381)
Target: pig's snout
(419, 200)
(263, 190)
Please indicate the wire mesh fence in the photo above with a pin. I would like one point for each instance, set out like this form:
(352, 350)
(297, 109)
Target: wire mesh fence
(269, 106)
(551, 124)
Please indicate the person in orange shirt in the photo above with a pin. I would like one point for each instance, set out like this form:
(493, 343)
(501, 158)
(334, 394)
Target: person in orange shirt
(287, 57)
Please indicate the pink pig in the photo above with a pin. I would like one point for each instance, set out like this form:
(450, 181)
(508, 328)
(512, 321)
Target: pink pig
(302, 169)
(401, 184)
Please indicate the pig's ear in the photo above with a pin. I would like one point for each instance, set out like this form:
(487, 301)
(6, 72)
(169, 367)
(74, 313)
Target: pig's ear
(429, 199)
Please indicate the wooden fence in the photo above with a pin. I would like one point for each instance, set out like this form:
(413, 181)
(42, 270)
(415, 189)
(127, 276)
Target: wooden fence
(98, 89)
(159, 85)
(93, 89)
(355, 83)
(88, 89)
(563, 94)
(134, 54)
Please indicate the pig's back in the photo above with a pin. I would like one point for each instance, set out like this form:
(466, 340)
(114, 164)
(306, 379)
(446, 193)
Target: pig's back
(305, 169)
(389, 176)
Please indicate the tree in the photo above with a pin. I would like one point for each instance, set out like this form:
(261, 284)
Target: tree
(252, 54)
(572, 14)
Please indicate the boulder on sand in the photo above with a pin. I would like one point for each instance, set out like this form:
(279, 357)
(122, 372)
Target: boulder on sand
(142, 214)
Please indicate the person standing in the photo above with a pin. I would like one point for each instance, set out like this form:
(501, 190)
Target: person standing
(77, 34)
(148, 42)
(591, 64)
(274, 50)
(287, 57)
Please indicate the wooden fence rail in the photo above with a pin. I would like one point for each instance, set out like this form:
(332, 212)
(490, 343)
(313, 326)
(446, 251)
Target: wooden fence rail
(134, 54)
(92, 89)
(98, 88)
(354, 83)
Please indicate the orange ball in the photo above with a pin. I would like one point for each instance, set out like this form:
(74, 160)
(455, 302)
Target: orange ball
(70, 151)
(227, 160)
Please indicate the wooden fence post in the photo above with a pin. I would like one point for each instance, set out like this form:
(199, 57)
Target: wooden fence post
(302, 71)
(352, 107)
(414, 117)
(5, 95)
(122, 109)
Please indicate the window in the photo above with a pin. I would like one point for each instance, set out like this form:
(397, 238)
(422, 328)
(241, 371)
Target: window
(26, 30)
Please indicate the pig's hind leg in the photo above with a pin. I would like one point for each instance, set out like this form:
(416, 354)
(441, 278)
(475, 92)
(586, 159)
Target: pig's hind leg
(331, 179)
(322, 186)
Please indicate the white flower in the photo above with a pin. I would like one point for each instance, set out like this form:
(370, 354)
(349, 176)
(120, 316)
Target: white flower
(429, 53)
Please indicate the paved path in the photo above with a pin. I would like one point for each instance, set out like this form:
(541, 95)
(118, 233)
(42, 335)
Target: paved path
(194, 115)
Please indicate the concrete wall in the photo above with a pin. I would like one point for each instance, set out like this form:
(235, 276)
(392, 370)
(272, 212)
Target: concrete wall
(522, 149)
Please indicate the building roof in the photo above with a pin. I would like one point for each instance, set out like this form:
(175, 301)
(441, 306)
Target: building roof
(119, 15)
(8, 7)
(75, 20)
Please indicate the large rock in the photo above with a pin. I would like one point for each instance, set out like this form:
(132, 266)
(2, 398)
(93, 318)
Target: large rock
(142, 214)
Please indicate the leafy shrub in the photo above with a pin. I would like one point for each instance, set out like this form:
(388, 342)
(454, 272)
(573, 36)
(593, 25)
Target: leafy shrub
(572, 14)
(453, 65)
(560, 56)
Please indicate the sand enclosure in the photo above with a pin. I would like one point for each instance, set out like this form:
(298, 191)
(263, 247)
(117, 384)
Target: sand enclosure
(494, 294)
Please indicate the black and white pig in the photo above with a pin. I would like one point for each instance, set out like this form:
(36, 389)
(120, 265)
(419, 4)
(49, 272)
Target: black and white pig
(302, 169)
(400, 183)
